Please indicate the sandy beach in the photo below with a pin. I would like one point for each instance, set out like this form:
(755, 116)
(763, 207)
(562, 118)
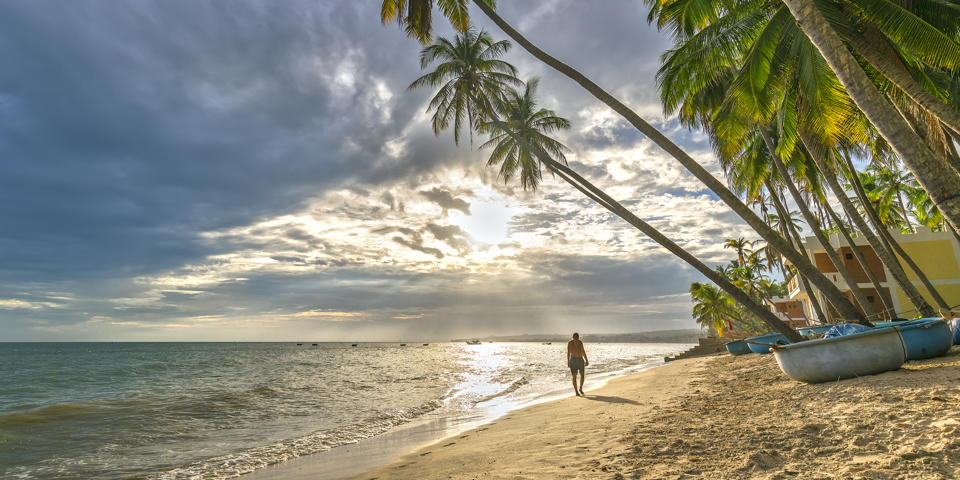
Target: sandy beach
(718, 417)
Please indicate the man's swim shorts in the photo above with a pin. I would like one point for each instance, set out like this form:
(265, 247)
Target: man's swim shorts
(576, 365)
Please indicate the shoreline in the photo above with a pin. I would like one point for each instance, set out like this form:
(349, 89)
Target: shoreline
(718, 417)
(406, 446)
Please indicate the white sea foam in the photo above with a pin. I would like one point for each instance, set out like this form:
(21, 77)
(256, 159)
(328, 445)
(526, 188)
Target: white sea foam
(201, 410)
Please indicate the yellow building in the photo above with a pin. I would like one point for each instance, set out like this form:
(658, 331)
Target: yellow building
(936, 253)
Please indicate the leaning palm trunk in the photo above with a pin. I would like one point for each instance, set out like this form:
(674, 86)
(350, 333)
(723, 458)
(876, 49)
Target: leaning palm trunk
(929, 132)
(792, 232)
(905, 82)
(940, 182)
(887, 305)
(891, 244)
(953, 158)
(814, 224)
(885, 255)
(844, 307)
(597, 195)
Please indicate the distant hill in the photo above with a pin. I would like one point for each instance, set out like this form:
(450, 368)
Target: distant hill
(689, 335)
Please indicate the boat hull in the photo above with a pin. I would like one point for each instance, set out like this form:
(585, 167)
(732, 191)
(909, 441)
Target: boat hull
(926, 338)
(814, 329)
(831, 359)
(738, 347)
(769, 338)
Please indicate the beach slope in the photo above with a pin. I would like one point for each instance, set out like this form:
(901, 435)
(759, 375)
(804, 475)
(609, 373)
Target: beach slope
(575, 437)
(717, 417)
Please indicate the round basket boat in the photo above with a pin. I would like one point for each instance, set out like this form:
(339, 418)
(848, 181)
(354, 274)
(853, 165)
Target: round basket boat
(831, 359)
(926, 338)
(770, 338)
(814, 329)
(738, 347)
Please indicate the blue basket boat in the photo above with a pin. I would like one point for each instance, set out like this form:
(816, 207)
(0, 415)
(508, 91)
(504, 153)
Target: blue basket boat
(814, 329)
(925, 337)
(738, 347)
(830, 359)
(769, 338)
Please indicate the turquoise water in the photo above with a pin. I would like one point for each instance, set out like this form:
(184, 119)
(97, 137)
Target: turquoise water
(216, 410)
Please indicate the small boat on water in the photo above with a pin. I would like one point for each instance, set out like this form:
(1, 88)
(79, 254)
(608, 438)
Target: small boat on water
(473, 342)
(314, 344)
(353, 345)
(547, 343)
(299, 344)
(425, 344)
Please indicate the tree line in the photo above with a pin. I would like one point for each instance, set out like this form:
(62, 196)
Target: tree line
(793, 94)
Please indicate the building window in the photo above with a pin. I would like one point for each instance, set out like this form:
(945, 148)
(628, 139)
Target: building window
(849, 256)
(870, 298)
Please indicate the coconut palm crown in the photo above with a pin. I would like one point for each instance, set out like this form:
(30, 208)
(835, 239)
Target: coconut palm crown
(518, 112)
(470, 78)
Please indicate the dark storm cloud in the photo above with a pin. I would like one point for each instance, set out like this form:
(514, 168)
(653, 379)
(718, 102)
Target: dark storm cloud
(452, 235)
(446, 200)
(130, 131)
(129, 127)
(395, 205)
(415, 242)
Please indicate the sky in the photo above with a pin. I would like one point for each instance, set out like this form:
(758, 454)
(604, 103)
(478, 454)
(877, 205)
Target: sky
(257, 171)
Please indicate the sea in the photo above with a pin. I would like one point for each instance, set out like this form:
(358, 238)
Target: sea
(218, 410)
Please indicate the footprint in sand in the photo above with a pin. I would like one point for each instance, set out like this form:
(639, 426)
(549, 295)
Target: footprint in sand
(482, 429)
(451, 443)
(425, 454)
(465, 436)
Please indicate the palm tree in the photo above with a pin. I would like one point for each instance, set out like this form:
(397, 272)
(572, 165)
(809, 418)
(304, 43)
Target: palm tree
(416, 16)
(713, 307)
(801, 88)
(470, 78)
(801, 262)
(486, 105)
(740, 245)
(518, 112)
(940, 182)
(736, 121)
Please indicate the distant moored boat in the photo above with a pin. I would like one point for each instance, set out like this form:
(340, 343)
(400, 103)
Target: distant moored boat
(473, 342)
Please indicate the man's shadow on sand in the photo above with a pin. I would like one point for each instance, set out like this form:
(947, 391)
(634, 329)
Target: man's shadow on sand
(603, 398)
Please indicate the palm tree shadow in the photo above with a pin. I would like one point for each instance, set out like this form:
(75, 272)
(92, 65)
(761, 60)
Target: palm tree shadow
(603, 398)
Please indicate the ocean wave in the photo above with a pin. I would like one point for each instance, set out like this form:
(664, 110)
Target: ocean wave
(514, 386)
(234, 465)
(51, 413)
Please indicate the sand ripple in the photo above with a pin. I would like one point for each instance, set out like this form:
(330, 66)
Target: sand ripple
(746, 419)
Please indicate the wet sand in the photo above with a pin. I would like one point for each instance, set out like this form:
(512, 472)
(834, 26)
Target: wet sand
(717, 417)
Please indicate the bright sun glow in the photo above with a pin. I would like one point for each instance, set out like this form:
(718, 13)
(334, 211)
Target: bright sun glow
(488, 221)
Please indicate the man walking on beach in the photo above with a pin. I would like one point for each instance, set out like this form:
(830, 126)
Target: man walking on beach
(576, 360)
